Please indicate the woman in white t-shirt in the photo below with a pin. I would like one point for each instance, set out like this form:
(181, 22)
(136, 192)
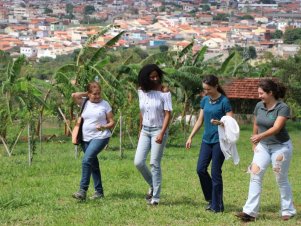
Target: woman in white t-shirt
(155, 112)
(98, 120)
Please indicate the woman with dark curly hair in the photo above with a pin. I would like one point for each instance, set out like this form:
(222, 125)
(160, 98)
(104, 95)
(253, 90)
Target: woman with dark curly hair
(155, 112)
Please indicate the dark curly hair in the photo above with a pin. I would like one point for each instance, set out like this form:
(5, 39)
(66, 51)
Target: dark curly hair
(269, 85)
(143, 77)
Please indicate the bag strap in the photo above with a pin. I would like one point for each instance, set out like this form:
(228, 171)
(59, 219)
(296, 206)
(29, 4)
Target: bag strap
(83, 106)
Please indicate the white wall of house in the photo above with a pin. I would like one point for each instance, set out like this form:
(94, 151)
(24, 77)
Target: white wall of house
(28, 51)
(46, 53)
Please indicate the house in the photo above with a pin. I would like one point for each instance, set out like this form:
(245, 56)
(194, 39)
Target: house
(42, 34)
(213, 43)
(28, 51)
(285, 50)
(156, 43)
(204, 18)
(242, 93)
(57, 26)
(263, 20)
(45, 51)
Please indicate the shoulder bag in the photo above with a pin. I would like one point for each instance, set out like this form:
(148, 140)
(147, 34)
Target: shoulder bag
(77, 132)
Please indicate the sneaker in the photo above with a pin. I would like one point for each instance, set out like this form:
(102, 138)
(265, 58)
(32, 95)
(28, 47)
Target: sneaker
(97, 195)
(152, 202)
(208, 207)
(149, 194)
(287, 217)
(80, 195)
(245, 217)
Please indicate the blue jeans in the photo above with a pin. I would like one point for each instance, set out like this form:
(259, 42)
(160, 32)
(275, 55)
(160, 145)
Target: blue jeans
(147, 143)
(90, 164)
(212, 186)
(280, 156)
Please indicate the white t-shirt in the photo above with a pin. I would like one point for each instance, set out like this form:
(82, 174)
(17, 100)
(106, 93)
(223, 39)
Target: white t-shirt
(94, 114)
(152, 106)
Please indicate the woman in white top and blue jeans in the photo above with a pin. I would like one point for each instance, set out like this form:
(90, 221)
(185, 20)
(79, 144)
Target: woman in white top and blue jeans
(155, 112)
(98, 120)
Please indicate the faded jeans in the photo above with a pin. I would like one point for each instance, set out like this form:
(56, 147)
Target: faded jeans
(147, 143)
(90, 164)
(280, 155)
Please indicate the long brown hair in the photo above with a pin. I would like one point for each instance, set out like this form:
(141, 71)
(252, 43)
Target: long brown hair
(212, 80)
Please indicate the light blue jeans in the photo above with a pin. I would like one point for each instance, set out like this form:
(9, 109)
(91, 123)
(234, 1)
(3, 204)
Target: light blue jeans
(280, 155)
(147, 143)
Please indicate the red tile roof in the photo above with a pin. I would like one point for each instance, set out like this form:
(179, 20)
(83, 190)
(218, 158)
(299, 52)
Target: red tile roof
(243, 88)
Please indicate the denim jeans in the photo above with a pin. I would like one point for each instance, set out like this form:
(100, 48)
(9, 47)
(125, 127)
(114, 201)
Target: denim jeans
(212, 186)
(147, 143)
(280, 155)
(90, 164)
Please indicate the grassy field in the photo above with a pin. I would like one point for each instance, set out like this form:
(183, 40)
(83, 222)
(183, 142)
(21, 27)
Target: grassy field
(41, 194)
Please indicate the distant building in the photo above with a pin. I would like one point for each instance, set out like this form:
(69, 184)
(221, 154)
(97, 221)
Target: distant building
(157, 43)
(28, 51)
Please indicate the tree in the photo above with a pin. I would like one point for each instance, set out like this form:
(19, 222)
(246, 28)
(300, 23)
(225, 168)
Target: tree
(289, 71)
(277, 34)
(267, 2)
(163, 48)
(249, 51)
(246, 17)
(69, 8)
(88, 65)
(252, 52)
(48, 11)
(221, 16)
(89, 9)
(205, 8)
(20, 100)
(292, 35)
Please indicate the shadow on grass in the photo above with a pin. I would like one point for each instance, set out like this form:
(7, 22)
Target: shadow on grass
(180, 201)
(127, 195)
(267, 212)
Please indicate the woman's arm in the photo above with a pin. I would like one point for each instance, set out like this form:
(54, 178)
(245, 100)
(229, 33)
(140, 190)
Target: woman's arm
(195, 129)
(278, 125)
(78, 97)
(166, 120)
(140, 121)
(218, 122)
(110, 122)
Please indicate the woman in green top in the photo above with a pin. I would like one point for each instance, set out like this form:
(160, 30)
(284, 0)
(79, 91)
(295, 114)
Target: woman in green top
(271, 144)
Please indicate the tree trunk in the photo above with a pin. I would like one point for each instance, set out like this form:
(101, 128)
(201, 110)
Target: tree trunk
(29, 144)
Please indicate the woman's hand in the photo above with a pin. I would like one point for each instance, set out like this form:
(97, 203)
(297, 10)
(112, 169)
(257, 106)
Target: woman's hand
(256, 138)
(159, 138)
(101, 127)
(188, 143)
(217, 122)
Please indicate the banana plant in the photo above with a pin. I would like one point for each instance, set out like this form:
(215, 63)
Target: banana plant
(22, 98)
(89, 65)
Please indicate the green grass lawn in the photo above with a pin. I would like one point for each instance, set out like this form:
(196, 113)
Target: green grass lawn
(41, 194)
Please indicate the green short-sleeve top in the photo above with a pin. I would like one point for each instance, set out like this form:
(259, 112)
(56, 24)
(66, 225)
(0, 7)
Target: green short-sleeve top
(265, 119)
